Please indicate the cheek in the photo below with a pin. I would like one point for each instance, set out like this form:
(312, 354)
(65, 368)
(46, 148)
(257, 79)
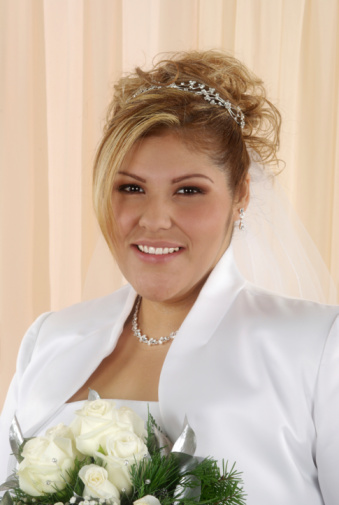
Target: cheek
(124, 218)
(210, 220)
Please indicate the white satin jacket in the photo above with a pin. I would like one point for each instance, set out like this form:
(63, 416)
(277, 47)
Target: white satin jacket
(256, 374)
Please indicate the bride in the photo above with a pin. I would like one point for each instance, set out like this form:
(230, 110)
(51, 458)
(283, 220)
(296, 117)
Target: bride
(255, 372)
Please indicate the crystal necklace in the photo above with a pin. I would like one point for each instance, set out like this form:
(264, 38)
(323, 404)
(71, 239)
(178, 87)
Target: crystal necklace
(144, 338)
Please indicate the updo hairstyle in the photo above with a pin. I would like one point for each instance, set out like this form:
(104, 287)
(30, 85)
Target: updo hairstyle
(209, 128)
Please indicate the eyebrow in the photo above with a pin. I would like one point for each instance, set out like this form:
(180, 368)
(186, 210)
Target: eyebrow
(174, 181)
(121, 172)
(191, 176)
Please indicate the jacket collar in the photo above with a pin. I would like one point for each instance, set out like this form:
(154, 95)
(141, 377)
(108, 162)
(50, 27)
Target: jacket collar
(86, 333)
(216, 297)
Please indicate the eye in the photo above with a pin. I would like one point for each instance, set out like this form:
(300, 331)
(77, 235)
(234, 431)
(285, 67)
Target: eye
(189, 190)
(130, 188)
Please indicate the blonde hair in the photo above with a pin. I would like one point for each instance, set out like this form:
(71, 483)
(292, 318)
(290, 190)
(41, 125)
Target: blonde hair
(133, 115)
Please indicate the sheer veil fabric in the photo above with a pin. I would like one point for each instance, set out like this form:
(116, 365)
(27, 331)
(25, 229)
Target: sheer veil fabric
(275, 251)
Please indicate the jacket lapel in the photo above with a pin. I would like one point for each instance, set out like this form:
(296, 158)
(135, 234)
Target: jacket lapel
(56, 376)
(213, 302)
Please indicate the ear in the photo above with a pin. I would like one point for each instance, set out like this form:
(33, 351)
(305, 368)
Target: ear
(242, 197)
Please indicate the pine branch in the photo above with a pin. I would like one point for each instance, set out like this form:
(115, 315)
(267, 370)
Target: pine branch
(157, 476)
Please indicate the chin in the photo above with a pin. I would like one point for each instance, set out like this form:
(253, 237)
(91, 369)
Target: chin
(162, 292)
(156, 295)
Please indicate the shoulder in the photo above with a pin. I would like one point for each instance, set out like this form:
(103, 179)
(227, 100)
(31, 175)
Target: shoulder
(73, 322)
(294, 314)
(292, 334)
(89, 315)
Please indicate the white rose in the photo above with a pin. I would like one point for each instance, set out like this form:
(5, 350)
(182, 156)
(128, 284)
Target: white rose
(93, 423)
(93, 414)
(99, 408)
(147, 500)
(60, 430)
(129, 417)
(125, 445)
(122, 450)
(45, 465)
(99, 419)
(97, 484)
(89, 442)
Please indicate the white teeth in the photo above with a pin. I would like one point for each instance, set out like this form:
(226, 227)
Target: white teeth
(157, 250)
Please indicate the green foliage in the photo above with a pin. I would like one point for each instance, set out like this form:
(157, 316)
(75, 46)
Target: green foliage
(150, 438)
(160, 476)
(101, 450)
(157, 476)
(216, 487)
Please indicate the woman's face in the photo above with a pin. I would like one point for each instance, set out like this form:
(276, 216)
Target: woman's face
(174, 216)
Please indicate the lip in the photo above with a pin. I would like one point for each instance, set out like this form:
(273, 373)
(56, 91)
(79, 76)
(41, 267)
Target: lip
(158, 243)
(156, 258)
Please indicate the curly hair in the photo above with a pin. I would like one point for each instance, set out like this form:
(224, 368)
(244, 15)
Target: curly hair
(134, 114)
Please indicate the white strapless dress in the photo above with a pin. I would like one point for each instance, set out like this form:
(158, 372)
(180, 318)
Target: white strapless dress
(66, 413)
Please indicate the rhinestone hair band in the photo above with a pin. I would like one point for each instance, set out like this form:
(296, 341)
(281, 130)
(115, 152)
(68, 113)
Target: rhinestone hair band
(209, 94)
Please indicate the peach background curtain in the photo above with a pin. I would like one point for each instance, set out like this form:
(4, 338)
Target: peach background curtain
(58, 60)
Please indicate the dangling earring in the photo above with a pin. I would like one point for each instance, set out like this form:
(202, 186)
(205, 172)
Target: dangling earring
(242, 216)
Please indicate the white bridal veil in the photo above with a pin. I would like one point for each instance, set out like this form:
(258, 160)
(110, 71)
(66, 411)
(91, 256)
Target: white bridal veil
(275, 251)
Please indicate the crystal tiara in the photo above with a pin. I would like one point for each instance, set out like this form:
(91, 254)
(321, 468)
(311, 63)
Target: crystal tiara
(209, 95)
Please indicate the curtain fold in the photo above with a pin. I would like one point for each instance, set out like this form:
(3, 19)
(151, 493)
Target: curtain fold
(58, 62)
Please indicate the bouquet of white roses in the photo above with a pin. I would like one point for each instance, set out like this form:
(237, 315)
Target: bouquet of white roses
(107, 456)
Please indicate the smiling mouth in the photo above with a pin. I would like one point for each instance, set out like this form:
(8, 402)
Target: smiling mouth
(157, 250)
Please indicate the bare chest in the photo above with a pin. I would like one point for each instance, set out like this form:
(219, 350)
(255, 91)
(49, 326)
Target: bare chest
(131, 371)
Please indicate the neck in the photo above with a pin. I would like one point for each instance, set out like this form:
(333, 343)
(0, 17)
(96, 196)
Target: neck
(158, 319)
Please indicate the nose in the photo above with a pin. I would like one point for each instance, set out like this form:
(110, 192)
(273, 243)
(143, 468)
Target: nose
(155, 215)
